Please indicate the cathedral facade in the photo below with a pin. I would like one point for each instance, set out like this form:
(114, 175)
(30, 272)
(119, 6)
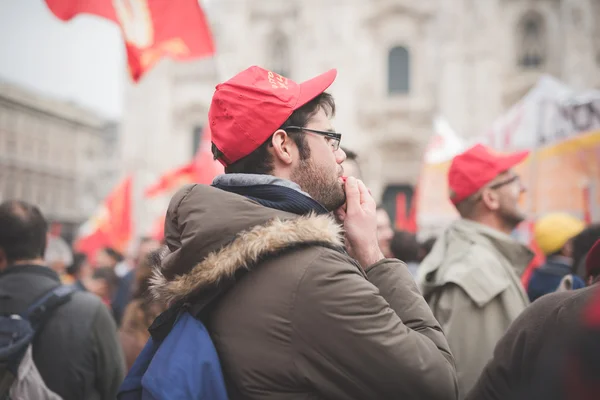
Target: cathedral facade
(400, 63)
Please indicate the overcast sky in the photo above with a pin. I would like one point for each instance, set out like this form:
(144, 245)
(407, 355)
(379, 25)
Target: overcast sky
(82, 60)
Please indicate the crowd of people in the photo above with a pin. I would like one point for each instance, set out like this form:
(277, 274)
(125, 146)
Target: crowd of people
(303, 285)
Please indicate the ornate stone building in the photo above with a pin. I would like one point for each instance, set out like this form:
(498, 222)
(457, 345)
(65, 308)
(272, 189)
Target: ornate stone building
(400, 63)
(55, 155)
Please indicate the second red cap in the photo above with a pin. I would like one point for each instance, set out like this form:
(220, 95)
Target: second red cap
(476, 167)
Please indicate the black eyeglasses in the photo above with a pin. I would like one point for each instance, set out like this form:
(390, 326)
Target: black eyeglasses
(505, 182)
(500, 184)
(334, 138)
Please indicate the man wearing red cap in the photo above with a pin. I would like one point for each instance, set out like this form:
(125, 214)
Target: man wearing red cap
(540, 341)
(471, 277)
(260, 259)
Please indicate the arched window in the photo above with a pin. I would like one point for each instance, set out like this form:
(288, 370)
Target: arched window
(532, 41)
(280, 54)
(398, 70)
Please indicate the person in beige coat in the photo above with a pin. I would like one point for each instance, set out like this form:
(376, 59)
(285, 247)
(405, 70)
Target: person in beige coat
(471, 277)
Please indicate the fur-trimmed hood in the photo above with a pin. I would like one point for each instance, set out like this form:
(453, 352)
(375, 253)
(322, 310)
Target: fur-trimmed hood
(212, 234)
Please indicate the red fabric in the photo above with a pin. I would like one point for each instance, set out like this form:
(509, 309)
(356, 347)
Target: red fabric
(400, 222)
(152, 29)
(249, 108)
(411, 223)
(476, 167)
(538, 259)
(111, 225)
(202, 169)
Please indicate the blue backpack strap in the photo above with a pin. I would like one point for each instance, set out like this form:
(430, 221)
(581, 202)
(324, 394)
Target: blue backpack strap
(39, 311)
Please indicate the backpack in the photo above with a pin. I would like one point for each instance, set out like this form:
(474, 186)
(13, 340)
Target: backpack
(180, 362)
(19, 377)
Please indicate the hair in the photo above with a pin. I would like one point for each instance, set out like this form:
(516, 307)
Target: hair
(404, 246)
(114, 254)
(109, 276)
(468, 207)
(427, 246)
(143, 275)
(78, 260)
(260, 161)
(582, 244)
(23, 231)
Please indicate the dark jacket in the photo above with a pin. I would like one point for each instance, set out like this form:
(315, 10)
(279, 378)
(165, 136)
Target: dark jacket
(531, 346)
(122, 296)
(292, 316)
(77, 351)
(546, 278)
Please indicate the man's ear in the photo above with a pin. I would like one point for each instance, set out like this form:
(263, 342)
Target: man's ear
(3, 260)
(283, 147)
(490, 199)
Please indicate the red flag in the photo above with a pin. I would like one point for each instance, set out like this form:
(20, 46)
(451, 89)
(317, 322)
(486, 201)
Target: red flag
(152, 29)
(111, 224)
(202, 169)
(411, 222)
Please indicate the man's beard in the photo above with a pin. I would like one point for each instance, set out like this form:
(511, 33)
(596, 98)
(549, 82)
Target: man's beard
(326, 189)
(511, 218)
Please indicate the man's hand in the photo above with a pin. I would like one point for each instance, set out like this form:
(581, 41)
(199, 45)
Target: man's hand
(360, 223)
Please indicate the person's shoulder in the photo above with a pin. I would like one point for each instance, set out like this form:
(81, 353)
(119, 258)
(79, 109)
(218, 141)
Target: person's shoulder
(562, 304)
(85, 300)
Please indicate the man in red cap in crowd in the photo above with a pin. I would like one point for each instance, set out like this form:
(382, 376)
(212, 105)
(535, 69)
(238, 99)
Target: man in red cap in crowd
(471, 277)
(543, 354)
(291, 312)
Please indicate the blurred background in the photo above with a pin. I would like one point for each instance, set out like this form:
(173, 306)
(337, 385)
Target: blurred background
(417, 83)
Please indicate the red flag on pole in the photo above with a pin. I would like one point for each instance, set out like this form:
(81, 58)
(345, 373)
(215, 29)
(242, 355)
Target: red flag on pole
(202, 169)
(152, 29)
(111, 225)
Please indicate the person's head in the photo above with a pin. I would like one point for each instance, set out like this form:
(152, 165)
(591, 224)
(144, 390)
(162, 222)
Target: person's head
(80, 268)
(23, 233)
(143, 275)
(108, 257)
(592, 264)
(147, 246)
(582, 244)
(263, 123)
(484, 188)
(350, 165)
(554, 232)
(384, 231)
(108, 282)
(404, 246)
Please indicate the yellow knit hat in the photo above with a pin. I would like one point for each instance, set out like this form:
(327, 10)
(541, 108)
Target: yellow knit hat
(554, 230)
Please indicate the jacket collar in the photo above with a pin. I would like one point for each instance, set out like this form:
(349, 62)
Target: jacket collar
(451, 246)
(244, 251)
(255, 179)
(517, 254)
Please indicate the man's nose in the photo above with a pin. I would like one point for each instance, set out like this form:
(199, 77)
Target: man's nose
(340, 156)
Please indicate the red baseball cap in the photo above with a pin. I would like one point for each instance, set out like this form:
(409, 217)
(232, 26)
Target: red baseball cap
(247, 109)
(592, 260)
(476, 167)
